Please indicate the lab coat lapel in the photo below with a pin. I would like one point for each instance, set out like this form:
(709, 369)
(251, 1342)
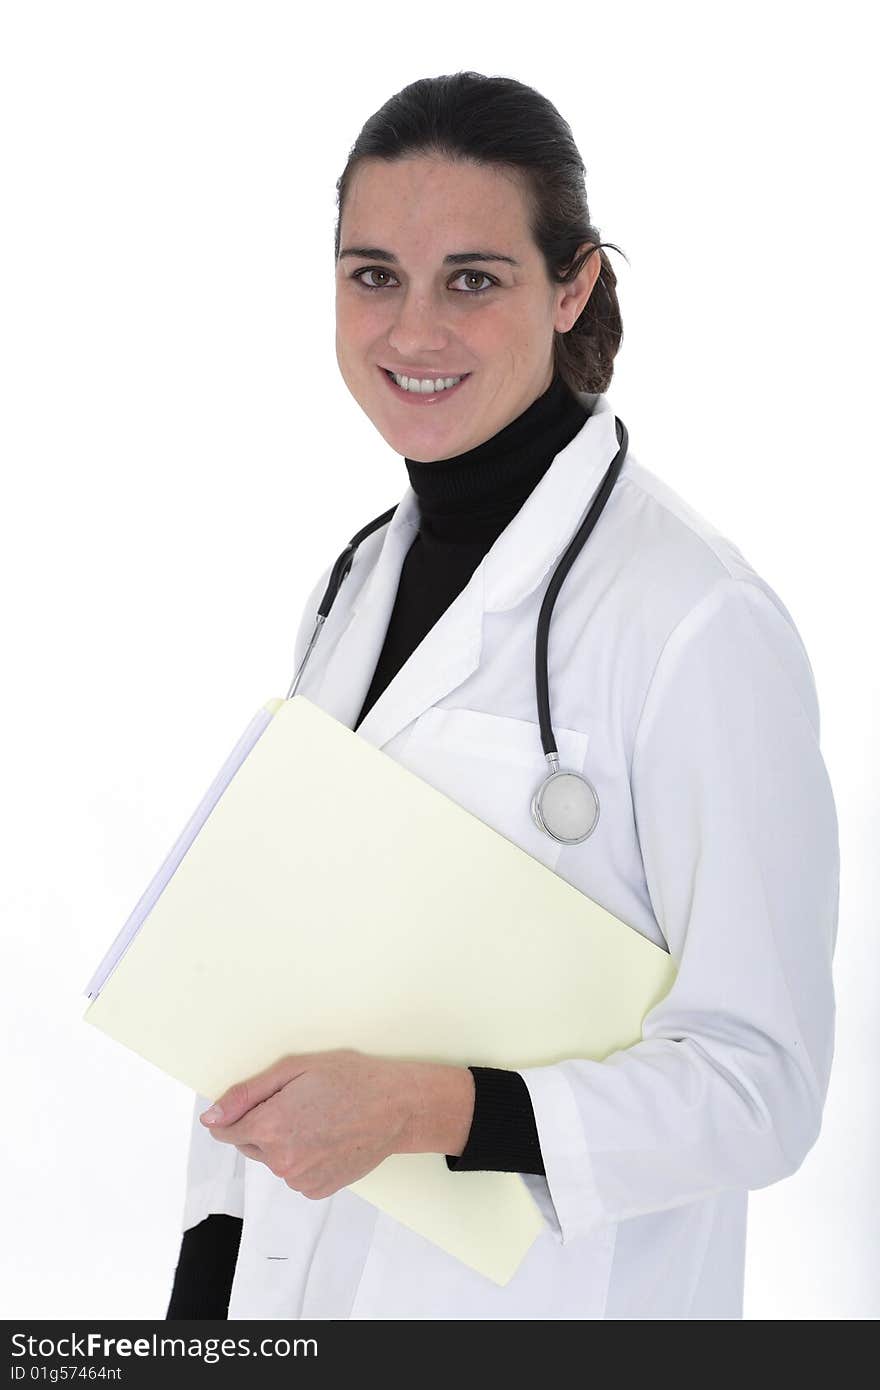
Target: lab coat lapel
(349, 671)
(513, 567)
(442, 660)
(448, 654)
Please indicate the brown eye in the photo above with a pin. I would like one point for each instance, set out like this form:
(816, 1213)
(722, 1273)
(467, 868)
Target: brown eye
(477, 275)
(370, 270)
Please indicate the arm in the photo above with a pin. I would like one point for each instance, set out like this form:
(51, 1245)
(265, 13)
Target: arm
(738, 833)
(478, 1117)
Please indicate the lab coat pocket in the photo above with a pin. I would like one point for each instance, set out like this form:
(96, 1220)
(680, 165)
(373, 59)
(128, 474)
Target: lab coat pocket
(492, 765)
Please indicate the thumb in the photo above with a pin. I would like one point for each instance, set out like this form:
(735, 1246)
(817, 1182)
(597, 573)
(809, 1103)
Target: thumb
(244, 1095)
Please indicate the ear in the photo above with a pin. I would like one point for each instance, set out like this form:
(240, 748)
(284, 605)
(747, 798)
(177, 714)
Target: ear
(573, 297)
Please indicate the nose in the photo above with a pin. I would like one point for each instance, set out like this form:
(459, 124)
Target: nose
(418, 326)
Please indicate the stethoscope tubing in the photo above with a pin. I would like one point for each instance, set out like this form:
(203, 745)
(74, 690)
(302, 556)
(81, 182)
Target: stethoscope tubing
(574, 548)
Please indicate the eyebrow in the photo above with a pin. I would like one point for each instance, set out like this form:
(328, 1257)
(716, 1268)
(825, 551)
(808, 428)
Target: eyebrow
(375, 253)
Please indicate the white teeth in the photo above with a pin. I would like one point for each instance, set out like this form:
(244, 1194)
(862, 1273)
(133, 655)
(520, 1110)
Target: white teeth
(426, 387)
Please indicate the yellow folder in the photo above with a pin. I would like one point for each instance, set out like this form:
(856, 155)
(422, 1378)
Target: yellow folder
(292, 916)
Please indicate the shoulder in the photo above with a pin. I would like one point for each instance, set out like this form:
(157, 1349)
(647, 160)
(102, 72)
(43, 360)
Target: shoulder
(695, 587)
(674, 535)
(682, 553)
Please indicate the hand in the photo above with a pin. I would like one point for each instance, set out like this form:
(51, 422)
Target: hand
(319, 1120)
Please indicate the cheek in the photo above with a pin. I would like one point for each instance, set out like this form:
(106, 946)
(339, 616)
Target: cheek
(356, 320)
(503, 327)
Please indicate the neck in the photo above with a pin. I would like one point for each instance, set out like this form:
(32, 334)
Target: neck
(460, 496)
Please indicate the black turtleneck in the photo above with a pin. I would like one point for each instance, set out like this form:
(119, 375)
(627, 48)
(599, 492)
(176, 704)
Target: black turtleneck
(465, 502)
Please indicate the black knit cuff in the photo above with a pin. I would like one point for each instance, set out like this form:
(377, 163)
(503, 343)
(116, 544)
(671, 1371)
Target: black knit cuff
(206, 1268)
(503, 1136)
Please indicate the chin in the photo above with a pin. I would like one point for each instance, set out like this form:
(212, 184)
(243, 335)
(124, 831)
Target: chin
(419, 438)
(426, 446)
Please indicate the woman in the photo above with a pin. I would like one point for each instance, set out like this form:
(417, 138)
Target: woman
(477, 324)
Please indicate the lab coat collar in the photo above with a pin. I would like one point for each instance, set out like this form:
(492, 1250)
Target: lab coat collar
(512, 568)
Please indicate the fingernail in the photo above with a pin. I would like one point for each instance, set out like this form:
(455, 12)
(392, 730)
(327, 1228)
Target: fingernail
(211, 1116)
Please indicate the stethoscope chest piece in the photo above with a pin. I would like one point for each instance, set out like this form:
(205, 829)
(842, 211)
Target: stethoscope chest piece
(566, 807)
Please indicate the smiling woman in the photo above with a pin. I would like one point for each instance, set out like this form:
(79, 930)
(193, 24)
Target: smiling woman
(477, 324)
(425, 311)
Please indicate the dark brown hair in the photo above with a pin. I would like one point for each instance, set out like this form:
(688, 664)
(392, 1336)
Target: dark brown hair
(502, 122)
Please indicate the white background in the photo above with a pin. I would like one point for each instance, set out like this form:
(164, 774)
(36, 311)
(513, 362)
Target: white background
(181, 459)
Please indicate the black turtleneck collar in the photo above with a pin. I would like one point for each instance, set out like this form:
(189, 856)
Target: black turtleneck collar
(484, 487)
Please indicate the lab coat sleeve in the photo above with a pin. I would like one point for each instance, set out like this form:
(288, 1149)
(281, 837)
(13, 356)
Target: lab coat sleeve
(738, 832)
(215, 1171)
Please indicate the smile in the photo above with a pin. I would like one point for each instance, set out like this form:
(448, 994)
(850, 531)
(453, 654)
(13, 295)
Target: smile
(422, 397)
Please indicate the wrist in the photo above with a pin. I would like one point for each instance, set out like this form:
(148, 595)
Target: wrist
(440, 1108)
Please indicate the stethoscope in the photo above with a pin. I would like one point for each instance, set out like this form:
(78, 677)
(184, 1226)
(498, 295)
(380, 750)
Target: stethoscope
(565, 805)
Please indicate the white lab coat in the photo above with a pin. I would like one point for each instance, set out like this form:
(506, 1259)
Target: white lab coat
(679, 684)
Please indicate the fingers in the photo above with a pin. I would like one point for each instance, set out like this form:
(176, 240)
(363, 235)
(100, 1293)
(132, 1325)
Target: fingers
(251, 1151)
(238, 1099)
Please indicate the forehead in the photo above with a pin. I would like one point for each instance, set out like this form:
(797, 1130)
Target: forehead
(419, 203)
